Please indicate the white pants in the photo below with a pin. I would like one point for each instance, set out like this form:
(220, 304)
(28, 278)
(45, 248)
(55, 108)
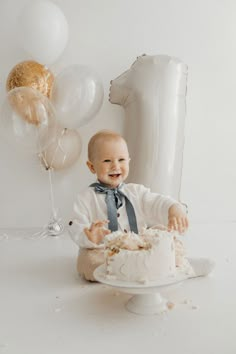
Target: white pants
(88, 260)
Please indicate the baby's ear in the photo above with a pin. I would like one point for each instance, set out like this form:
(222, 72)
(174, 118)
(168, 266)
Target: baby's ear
(90, 166)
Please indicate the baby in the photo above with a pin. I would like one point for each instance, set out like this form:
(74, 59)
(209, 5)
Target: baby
(110, 205)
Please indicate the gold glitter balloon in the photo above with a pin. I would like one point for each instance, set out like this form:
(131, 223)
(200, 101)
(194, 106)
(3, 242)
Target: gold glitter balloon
(31, 74)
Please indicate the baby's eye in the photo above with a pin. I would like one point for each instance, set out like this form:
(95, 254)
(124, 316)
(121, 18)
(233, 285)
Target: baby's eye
(121, 160)
(107, 160)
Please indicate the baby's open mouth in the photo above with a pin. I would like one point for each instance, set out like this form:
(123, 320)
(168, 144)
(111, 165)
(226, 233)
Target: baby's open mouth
(114, 175)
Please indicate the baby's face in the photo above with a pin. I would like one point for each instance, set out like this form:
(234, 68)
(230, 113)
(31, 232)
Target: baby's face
(111, 162)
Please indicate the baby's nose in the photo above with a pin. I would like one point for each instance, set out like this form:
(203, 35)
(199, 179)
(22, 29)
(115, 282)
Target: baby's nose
(115, 163)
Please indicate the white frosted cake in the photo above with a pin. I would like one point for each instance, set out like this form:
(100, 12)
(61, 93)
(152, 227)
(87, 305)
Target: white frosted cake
(150, 256)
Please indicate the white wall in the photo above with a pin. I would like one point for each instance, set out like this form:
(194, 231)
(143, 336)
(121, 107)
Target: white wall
(108, 35)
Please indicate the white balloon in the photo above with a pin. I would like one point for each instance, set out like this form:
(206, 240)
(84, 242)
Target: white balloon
(77, 95)
(153, 94)
(43, 31)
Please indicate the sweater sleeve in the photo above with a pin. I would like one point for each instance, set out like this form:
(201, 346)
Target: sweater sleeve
(156, 206)
(81, 219)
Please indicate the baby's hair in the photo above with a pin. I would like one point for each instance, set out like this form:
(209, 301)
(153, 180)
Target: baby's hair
(100, 137)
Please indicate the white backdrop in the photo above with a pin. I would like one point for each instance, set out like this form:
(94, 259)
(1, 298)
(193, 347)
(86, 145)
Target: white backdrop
(108, 35)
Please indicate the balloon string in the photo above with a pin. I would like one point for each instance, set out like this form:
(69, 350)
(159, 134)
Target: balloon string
(58, 146)
(43, 155)
(40, 154)
(51, 193)
(54, 227)
(50, 172)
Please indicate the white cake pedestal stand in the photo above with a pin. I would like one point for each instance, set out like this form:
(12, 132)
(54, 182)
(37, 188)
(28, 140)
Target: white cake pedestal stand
(147, 304)
(147, 299)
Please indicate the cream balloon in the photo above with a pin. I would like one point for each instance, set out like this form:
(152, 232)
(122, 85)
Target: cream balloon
(64, 151)
(43, 31)
(153, 95)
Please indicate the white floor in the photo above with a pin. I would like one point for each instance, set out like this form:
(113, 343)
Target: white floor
(45, 308)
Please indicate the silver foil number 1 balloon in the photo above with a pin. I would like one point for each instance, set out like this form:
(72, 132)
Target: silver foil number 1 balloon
(153, 94)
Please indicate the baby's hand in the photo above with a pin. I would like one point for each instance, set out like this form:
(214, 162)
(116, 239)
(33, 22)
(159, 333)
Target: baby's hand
(97, 232)
(177, 219)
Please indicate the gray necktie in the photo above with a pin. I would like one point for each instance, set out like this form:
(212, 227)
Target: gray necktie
(114, 200)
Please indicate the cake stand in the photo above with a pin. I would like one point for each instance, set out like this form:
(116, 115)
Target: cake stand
(146, 299)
